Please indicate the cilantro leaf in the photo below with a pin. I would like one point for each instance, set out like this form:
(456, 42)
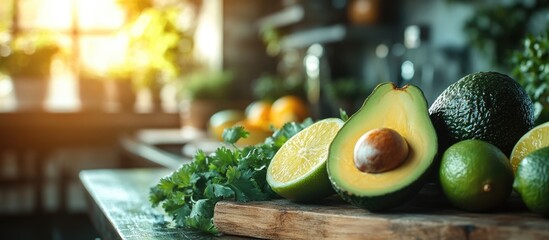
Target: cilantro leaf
(180, 178)
(156, 196)
(287, 131)
(166, 186)
(180, 217)
(190, 193)
(218, 191)
(233, 134)
(201, 216)
(247, 190)
(222, 159)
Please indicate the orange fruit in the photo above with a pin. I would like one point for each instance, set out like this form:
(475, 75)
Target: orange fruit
(258, 114)
(288, 109)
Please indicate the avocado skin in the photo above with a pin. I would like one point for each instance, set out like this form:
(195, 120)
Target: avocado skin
(488, 106)
(387, 201)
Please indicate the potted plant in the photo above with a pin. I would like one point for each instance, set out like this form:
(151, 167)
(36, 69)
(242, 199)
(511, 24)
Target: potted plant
(120, 87)
(27, 60)
(160, 50)
(202, 94)
(91, 89)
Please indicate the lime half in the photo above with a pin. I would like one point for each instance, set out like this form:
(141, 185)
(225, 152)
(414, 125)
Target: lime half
(298, 170)
(534, 139)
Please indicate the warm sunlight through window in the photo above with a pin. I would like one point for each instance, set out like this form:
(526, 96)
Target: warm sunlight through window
(98, 53)
(208, 36)
(99, 15)
(70, 44)
(42, 14)
(87, 32)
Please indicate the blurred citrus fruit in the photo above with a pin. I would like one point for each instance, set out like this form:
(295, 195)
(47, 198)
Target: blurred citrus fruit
(257, 134)
(223, 119)
(257, 114)
(534, 139)
(475, 175)
(288, 109)
(532, 181)
(298, 169)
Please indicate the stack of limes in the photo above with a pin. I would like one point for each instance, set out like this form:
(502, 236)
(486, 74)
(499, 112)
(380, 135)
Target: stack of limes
(477, 176)
(530, 160)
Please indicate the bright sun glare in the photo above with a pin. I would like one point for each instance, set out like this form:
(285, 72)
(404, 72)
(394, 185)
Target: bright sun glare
(97, 52)
(94, 39)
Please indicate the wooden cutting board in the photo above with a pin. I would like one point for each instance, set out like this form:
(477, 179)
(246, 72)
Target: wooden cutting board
(427, 216)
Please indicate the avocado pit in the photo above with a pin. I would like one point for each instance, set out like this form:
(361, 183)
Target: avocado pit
(380, 150)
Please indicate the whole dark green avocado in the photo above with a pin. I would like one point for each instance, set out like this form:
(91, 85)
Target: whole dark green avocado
(488, 106)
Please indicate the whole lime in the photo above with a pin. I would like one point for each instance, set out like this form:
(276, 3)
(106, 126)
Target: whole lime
(532, 181)
(475, 175)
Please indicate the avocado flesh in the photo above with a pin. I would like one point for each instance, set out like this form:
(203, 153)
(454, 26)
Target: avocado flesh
(401, 109)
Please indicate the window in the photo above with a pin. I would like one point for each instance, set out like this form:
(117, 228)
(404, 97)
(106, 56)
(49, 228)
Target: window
(151, 40)
(87, 32)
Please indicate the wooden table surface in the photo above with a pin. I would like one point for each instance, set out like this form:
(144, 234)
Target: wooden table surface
(120, 210)
(119, 207)
(427, 216)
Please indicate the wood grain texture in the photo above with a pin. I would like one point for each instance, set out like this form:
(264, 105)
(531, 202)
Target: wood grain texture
(428, 216)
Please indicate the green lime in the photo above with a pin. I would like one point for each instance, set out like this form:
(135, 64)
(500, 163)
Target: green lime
(532, 181)
(298, 169)
(475, 175)
(534, 139)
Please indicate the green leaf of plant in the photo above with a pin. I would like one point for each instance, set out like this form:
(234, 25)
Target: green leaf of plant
(233, 134)
(218, 191)
(190, 193)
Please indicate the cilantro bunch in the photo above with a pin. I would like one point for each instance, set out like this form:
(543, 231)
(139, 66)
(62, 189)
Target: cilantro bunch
(190, 193)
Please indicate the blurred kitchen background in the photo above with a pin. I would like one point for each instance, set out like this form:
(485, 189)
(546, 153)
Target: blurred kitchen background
(78, 76)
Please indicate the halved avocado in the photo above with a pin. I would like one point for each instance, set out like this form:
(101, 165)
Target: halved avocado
(403, 110)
